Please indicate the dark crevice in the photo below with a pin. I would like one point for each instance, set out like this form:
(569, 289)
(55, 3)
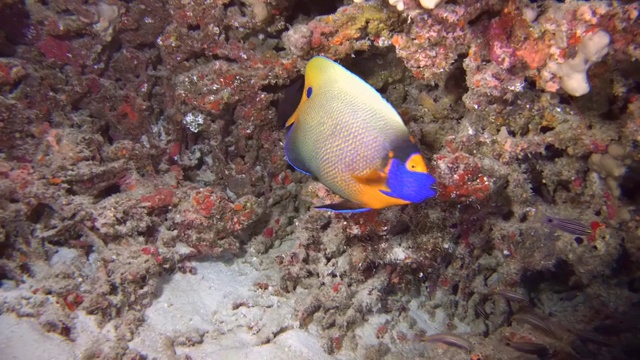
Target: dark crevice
(107, 192)
(484, 16)
(105, 56)
(105, 132)
(151, 231)
(564, 185)
(560, 277)
(38, 212)
(629, 188)
(551, 152)
(312, 8)
(529, 84)
(546, 129)
(523, 217)
(538, 187)
(454, 289)
(617, 107)
(16, 24)
(624, 264)
(367, 65)
(508, 215)
(279, 47)
(289, 101)
(456, 84)
(633, 285)
(564, 99)
(193, 27)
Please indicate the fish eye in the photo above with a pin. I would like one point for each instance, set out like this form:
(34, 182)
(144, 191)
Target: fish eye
(416, 163)
(309, 91)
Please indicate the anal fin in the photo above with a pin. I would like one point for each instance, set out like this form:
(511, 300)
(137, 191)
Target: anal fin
(344, 206)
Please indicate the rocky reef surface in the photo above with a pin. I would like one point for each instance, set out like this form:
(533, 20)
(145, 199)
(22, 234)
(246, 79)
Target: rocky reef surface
(147, 210)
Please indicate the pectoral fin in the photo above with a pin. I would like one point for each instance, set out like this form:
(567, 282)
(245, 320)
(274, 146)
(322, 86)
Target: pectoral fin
(374, 177)
(344, 206)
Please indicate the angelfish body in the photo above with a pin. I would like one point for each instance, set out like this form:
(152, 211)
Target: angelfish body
(345, 134)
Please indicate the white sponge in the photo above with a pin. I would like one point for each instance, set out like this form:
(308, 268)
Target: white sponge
(573, 73)
(430, 4)
(399, 4)
(595, 45)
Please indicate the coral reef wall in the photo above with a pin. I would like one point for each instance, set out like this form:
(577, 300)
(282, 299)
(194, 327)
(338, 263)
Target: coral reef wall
(139, 137)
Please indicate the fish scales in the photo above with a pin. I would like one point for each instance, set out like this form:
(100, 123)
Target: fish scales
(344, 133)
(354, 147)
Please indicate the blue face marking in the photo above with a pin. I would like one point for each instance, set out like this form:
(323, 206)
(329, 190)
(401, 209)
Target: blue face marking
(309, 91)
(408, 185)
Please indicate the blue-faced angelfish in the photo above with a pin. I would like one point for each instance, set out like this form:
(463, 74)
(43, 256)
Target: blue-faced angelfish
(344, 133)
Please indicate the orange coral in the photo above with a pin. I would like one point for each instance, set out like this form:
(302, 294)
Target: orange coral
(534, 53)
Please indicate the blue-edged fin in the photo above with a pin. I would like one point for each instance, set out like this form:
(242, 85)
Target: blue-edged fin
(344, 206)
(292, 155)
(289, 103)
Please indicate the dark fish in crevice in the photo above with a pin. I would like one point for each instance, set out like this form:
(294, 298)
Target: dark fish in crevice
(531, 348)
(538, 322)
(481, 312)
